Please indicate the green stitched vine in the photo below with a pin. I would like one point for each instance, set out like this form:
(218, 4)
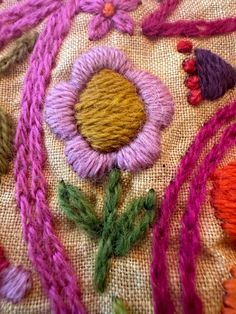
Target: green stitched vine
(6, 135)
(118, 306)
(116, 235)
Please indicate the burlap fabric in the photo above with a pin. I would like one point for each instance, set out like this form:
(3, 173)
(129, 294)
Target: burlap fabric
(129, 276)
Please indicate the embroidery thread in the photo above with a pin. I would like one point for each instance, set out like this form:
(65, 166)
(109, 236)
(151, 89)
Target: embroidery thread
(116, 235)
(45, 250)
(210, 77)
(118, 124)
(155, 25)
(15, 281)
(6, 138)
(108, 14)
(223, 197)
(22, 47)
(229, 285)
(118, 306)
(159, 271)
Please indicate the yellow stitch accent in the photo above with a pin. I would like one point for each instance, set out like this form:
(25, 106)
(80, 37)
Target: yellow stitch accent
(110, 113)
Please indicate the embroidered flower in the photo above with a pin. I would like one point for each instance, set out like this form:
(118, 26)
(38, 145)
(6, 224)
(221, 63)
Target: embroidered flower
(109, 114)
(108, 14)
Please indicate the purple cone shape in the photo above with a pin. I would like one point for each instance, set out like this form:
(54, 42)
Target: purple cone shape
(216, 75)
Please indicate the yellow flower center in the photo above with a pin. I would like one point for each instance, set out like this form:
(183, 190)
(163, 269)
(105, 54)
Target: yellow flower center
(108, 9)
(109, 113)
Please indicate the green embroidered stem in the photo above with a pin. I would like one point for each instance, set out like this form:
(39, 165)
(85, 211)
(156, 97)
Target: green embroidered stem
(6, 136)
(118, 306)
(105, 250)
(23, 46)
(117, 235)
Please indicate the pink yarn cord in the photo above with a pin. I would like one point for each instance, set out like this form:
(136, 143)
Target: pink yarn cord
(159, 274)
(154, 25)
(190, 237)
(45, 250)
(22, 17)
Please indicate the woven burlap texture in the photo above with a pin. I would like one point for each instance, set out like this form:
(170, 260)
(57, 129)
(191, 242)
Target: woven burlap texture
(129, 276)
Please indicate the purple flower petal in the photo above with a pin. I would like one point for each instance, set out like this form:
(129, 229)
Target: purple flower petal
(142, 152)
(99, 26)
(123, 22)
(60, 113)
(87, 162)
(92, 6)
(127, 5)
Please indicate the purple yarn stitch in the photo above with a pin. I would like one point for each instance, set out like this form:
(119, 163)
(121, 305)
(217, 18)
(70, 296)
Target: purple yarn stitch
(159, 272)
(22, 17)
(45, 250)
(216, 75)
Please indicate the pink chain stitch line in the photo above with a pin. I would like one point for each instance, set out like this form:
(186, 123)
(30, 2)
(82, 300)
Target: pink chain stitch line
(155, 24)
(159, 272)
(45, 250)
(21, 17)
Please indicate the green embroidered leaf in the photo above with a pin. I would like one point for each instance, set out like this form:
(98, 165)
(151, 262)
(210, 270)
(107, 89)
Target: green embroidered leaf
(6, 135)
(78, 209)
(128, 231)
(118, 306)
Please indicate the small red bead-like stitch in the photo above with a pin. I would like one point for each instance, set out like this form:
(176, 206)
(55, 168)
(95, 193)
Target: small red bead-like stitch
(195, 97)
(189, 66)
(192, 82)
(184, 46)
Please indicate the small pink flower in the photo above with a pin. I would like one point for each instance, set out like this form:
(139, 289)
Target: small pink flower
(108, 14)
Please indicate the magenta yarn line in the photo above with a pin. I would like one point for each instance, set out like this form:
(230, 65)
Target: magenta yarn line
(21, 9)
(154, 24)
(190, 241)
(159, 272)
(45, 250)
(190, 236)
(198, 28)
(27, 21)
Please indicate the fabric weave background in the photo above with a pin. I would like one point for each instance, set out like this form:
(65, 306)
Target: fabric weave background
(129, 276)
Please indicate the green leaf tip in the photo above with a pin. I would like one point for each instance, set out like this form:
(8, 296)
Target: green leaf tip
(150, 201)
(118, 306)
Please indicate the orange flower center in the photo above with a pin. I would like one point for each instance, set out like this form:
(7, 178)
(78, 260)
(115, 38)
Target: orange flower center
(108, 9)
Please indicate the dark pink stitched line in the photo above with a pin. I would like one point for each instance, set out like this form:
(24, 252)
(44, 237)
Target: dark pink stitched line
(30, 16)
(45, 250)
(22, 9)
(155, 25)
(159, 273)
(190, 236)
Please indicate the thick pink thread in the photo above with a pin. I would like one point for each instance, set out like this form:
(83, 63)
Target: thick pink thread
(45, 250)
(190, 237)
(22, 17)
(154, 25)
(159, 272)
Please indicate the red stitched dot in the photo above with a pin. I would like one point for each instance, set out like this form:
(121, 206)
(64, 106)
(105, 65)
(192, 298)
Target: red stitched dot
(184, 46)
(189, 66)
(195, 97)
(192, 82)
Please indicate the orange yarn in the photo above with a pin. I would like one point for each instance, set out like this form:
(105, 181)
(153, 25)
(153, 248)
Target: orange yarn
(224, 197)
(108, 9)
(230, 296)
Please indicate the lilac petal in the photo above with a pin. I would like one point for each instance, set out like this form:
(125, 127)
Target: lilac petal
(59, 110)
(123, 22)
(127, 5)
(87, 162)
(142, 152)
(92, 6)
(99, 26)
